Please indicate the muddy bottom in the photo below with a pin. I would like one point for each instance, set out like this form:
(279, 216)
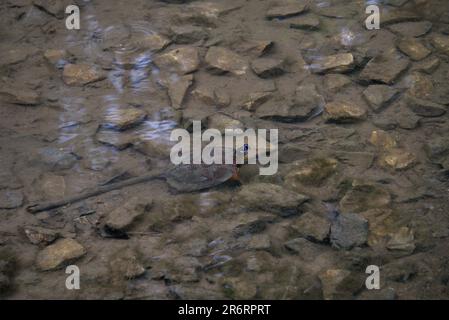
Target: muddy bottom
(363, 149)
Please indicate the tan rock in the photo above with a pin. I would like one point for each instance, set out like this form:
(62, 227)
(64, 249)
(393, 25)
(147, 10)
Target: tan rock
(382, 140)
(81, 74)
(413, 48)
(403, 240)
(343, 111)
(182, 60)
(59, 254)
(177, 90)
(220, 60)
(286, 10)
(122, 118)
(123, 217)
(338, 63)
(398, 159)
(441, 43)
(20, 96)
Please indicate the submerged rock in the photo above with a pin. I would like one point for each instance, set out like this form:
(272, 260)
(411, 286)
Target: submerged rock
(41, 236)
(81, 74)
(55, 8)
(20, 96)
(349, 230)
(382, 140)
(59, 254)
(412, 29)
(378, 96)
(271, 197)
(56, 57)
(126, 264)
(338, 63)
(413, 48)
(182, 60)
(220, 60)
(312, 226)
(177, 90)
(363, 196)
(311, 172)
(441, 43)
(123, 118)
(122, 218)
(306, 104)
(425, 108)
(428, 66)
(187, 34)
(221, 122)
(153, 42)
(398, 159)
(336, 82)
(384, 69)
(403, 241)
(337, 284)
(255, 99)
(304, 22)
(268, 67)
(286, 10)
(11, 199)
(254, 48)
(343, 111)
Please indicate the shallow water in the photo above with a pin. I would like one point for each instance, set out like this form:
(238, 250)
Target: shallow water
(255, 239)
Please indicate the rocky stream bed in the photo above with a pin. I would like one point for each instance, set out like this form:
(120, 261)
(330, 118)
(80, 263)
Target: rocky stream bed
(363, 148)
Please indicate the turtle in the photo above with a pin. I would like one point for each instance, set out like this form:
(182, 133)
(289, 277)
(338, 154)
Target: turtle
(182, 178)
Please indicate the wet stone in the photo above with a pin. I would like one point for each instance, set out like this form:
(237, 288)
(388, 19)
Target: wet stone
(412, 29)
(428, 66)
(118, 140)
(382, 140)
(306, 104)
(268, 67)
(57, 159)
(188, 34)
(41, 236)
(20, 96)
(338, 63)
(312, 172)
(378, 96)
(123, 217)
(123, 118)
(420, 85)
(306, 249)
(403, 241)
(125, 263)
(153, 42)
(441, 43)
(312, 226)
(182, 60)
(260, 242)
(11, 199)
(255, 48)
(304, 22)
(413, 48)
(398, 159)
(56, 57)
(270, 197)
(220, 60)
(437, 150)
(255, 99)
(177, 90)
(384, 69)
(81, 74)
(344, 111)
(59, 254)
(331, 280)
(221, 122)
(336, 82)
(13, 56)
(53, 185)
(363, 196)
(286, 10)
(349, 230)
(425, 108)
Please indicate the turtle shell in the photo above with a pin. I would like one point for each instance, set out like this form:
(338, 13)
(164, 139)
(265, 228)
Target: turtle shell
(194, 177)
